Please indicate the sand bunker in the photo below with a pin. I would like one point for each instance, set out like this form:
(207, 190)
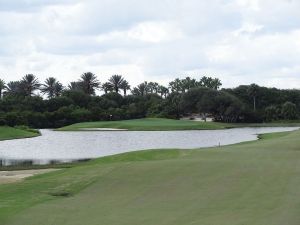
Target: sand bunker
(7, 177)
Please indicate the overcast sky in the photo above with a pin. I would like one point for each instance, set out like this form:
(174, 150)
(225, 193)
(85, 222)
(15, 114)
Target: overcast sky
(238, 41)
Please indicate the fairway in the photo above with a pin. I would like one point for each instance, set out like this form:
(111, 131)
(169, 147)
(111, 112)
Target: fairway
(255, 183)
(149, 124)
(7, 133)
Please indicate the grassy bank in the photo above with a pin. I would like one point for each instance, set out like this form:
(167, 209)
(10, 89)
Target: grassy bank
(7, 133)
(148, 124)
(245, 184)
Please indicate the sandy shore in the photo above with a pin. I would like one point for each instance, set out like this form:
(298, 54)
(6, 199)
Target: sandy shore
(7, 177)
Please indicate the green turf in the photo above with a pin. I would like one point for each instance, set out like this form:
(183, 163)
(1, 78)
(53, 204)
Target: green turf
(7, 133)
(255, 183)
(152, 124)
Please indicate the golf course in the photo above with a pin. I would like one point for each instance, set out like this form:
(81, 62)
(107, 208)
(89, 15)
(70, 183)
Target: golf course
(158, 112)
(253, 183)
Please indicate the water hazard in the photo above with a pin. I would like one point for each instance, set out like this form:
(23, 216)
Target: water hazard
(58, 147)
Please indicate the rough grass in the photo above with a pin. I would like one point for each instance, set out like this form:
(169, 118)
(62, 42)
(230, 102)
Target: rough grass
(7, 133)
(148, 124)
(253, 183)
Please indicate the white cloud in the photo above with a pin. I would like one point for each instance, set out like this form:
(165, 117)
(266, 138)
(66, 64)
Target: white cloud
(250, 4)
(155, 32)
(240, 41)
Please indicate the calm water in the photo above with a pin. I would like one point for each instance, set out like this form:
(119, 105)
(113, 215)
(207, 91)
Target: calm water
(53, 146)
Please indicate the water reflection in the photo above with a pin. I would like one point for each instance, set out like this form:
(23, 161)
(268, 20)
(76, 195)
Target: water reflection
(30, 163)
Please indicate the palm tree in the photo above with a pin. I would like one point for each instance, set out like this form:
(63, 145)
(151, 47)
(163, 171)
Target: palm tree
(163, 91)
(176, 85)
(29, 84)
(153, 87)
(125, 86)
(107, 87)
(13, 88)
(75, 86)
(116, 81)
(52, 87)
(209, 82)
(58, 89)
(216, 83)
(188, 83)
(141, 89)
(253, 92)
(89, 83)
(2, 87)
(49, 87)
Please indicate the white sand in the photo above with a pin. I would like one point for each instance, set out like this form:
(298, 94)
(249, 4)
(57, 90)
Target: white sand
(19, 175)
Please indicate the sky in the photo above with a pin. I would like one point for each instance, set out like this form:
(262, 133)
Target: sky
(238, 41)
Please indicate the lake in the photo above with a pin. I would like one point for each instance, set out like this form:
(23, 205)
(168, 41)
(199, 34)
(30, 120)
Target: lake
(59, 146)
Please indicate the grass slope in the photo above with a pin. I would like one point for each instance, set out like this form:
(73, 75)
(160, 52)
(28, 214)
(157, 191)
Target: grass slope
(254, 183)
(7, 133)
(151, 124)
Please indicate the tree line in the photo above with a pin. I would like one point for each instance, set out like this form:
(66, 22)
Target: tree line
(88, 84)
(50, 104)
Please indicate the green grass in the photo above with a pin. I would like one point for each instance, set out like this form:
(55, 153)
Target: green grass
(148, 124)
(157, 124)
(254, 183)
(7, 133)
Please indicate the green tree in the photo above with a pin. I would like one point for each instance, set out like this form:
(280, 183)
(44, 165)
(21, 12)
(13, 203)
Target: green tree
(191, 98)
(107, 87)
(141, 89)
(289, 111)
(227, 108)
(125, 87)
(75, 86)
(209, 82)
(116, 82)
(13, 88)
(152, 87)
(271, 113)
(51, 87)
(188, 83)
(176, 86)
(2, 87)
(253, 93)
(58, 89)
(29, 83)
(89, 83)
(163, 91)
(175, 103)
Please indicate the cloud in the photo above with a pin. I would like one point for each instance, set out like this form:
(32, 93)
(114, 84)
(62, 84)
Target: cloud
(29, 5)
(239, 41)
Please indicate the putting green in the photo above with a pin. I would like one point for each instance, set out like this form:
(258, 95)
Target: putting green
(148, 124)
(255, 183)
